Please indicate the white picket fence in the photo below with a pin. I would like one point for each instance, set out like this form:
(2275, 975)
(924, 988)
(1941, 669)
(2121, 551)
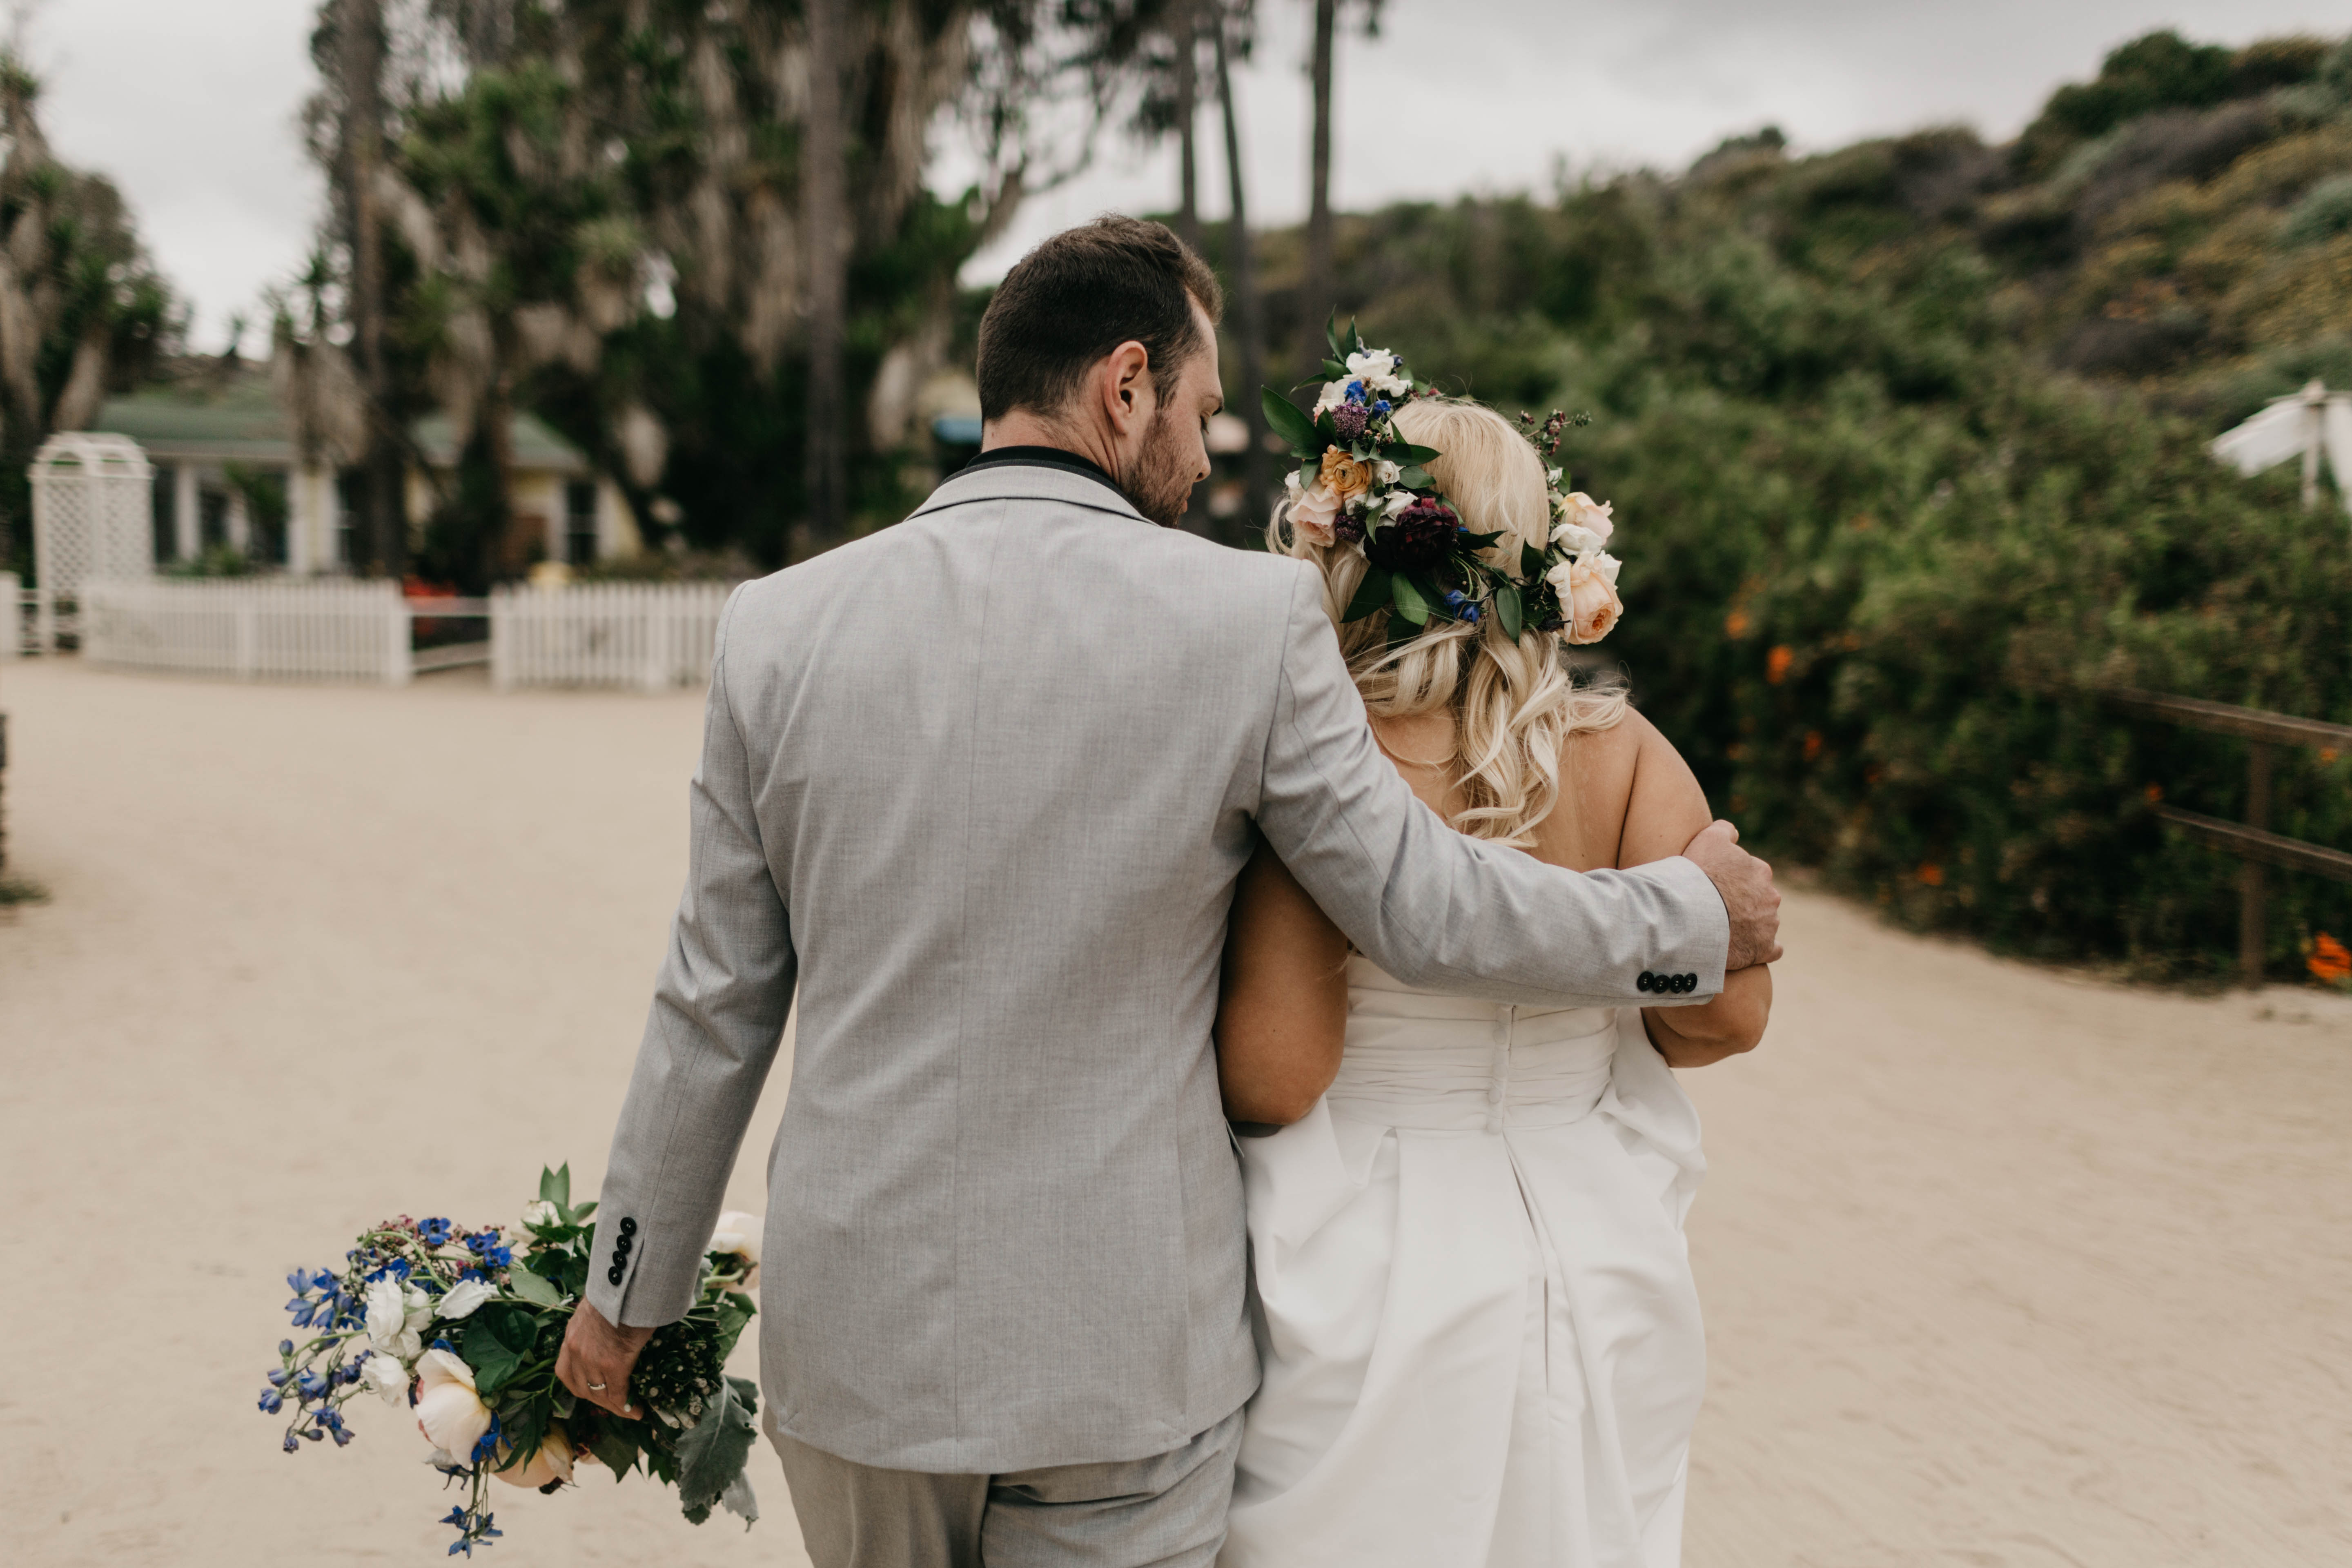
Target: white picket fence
(249, 630)
(647, 636)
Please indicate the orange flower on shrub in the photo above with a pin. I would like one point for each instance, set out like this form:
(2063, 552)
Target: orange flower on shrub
(1812, 744)
(1931, 873)
(1735, 625)
(2329, 964)
(1777, 663)
(2155, 794)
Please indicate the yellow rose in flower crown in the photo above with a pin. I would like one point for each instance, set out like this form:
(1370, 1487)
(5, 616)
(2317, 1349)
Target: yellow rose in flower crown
(1344, 476)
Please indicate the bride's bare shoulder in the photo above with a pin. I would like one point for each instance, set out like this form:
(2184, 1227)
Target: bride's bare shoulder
(1624, 791)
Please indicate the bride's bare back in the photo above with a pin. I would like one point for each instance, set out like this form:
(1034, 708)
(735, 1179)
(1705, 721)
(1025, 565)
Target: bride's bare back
(1627, 798)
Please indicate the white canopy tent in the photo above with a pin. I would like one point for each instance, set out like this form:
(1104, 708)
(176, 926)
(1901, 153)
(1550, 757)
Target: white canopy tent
(2304, 424)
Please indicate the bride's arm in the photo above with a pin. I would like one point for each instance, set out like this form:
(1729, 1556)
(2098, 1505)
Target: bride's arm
(1665, 810)
(1282, 1005)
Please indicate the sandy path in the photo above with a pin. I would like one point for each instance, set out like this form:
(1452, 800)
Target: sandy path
(2001, 1266)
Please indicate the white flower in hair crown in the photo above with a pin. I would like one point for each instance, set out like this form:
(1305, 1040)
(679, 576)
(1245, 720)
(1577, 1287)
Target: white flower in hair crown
(1360, 486)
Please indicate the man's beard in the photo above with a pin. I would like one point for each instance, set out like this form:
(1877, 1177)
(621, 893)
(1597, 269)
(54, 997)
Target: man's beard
(1159, 481)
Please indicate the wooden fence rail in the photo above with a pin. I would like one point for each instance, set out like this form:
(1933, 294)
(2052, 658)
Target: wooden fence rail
(646, 635)
(2250, 840)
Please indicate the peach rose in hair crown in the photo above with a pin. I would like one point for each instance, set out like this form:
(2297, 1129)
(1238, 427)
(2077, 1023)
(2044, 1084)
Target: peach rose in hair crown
(1314, 514)
(1588, 595)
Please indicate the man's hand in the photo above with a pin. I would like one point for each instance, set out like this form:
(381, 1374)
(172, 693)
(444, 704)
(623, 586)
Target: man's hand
(598, 1358)
(1748, 896)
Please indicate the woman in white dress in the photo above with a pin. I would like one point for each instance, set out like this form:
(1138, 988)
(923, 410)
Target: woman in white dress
(1480, 1334)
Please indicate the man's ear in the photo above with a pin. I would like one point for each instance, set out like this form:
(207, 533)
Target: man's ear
(1126, 387)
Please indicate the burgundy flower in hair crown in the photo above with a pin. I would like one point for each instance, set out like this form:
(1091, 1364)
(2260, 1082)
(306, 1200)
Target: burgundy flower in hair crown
(1360, 486)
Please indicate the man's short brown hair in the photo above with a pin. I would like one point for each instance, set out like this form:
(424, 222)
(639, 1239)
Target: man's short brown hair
(1081, 294)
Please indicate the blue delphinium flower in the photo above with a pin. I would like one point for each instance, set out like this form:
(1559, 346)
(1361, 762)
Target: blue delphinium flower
(1380, 406)
(291, 1445)
(486, 1245)
(285, 1347)
(1462, 607)
(272, 1402)
(443, 1345)
(1355, 392)
(487, 1443)
(278, 1376)
(300, 1310)
(434, 1232)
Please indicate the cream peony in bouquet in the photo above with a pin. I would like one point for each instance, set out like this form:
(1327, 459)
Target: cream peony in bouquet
(456, 1327)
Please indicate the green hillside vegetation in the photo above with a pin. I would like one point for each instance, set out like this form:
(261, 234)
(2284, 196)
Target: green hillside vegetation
(1906, 442)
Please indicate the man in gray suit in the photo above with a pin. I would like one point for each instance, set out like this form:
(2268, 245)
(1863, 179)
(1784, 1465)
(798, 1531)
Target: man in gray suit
(978, 788)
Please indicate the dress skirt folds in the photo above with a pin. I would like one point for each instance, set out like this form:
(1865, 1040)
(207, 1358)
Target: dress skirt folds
(1472, 1296)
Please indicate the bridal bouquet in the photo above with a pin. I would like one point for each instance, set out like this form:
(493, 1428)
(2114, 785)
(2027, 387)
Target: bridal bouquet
(461, 1328)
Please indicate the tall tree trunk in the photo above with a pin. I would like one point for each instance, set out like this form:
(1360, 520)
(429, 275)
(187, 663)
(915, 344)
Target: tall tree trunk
(1318, 300)
(1185, 32)
(1248, 328)
(824, 218)
(381, 540)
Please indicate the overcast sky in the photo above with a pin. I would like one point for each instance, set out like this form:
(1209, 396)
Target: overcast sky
(191, 105)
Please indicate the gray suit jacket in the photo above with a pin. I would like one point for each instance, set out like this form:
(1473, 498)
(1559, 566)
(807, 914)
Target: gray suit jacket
(980, 785)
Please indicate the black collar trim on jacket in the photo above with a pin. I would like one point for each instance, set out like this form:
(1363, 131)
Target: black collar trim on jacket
(1043, 457)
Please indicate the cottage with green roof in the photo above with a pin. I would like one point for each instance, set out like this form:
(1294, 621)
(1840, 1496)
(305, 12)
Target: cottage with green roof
(229, 472)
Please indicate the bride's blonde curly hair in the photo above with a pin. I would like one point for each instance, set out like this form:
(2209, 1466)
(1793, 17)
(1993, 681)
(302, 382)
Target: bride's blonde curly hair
(1515, 704)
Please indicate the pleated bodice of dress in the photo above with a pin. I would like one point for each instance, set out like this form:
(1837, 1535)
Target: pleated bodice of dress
(1479, 1335)
(1425, 1059)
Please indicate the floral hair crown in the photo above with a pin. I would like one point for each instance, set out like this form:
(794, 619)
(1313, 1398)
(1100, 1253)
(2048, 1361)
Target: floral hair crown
(1360, 486)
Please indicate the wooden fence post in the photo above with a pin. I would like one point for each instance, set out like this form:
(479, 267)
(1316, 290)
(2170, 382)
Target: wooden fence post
(2253, 890)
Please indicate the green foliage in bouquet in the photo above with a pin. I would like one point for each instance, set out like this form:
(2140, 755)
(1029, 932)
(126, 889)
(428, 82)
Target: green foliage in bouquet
(463, 1327)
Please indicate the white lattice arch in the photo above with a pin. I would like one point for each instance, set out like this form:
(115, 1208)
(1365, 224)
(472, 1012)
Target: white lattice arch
(93, 510)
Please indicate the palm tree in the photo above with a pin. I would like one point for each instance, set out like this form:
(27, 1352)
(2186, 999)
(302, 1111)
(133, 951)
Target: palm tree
(380, 541)
(1248, 326)
(1320, 283)
(1184, 34)
(1318, 300)
(823, 219)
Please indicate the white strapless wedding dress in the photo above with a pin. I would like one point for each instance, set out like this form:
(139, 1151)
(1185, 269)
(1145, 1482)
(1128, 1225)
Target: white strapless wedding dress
(1471, 1294)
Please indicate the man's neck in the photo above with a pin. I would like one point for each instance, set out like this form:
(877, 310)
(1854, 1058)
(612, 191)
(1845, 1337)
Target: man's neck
(1023, 429)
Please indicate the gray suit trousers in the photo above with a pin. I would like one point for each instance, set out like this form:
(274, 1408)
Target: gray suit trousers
(1164, 1511)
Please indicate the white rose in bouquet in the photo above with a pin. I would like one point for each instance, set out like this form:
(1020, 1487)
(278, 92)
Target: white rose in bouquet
(1334, 394)
(739, 1234)
(394, 1313)
(449, 1412)
(386, 1378)
(539, 1213)
(463, 1298)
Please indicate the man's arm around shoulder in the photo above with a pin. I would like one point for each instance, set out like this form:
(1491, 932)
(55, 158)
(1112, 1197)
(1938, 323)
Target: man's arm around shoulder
(1436, 908)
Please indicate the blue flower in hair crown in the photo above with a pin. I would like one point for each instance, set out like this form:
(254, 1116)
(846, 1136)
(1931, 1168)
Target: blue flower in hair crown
(1360, 486)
